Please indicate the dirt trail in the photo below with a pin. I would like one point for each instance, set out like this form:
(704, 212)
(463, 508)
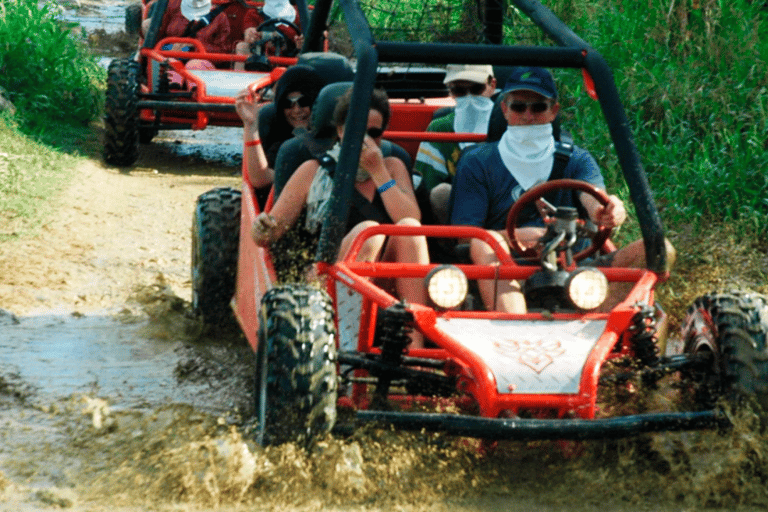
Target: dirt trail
(107, 404)
(112, 232)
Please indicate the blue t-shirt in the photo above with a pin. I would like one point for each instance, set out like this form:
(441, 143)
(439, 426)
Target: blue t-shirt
(484, 190)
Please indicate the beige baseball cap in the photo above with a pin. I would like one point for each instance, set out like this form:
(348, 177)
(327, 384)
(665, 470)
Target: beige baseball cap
(469, 72)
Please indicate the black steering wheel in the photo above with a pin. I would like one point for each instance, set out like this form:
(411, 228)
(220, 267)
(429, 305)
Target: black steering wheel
(538, 192)
(282, 43)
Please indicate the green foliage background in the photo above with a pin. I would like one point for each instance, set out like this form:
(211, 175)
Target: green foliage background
(693, 75)
(45, 66)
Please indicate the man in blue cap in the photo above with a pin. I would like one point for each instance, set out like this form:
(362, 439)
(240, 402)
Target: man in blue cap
(491, 177)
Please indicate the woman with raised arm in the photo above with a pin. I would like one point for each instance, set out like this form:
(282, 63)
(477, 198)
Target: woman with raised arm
(384, 195)
(295, 93)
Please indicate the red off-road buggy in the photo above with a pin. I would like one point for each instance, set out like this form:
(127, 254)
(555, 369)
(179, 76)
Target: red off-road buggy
(537, 375)
(140, 99)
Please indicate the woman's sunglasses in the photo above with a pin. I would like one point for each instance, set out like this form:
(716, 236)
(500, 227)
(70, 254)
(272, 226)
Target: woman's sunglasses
(375, 132)
(519, 107)
(302, 101)
(462, 90)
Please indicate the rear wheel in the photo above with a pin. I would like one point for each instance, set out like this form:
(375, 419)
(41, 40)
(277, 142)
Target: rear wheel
(730, 328)
(121, 120)
(296, 384)
(215, 245)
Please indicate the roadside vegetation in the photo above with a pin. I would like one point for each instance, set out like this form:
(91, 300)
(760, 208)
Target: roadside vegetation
(693, 76)
(48, 74)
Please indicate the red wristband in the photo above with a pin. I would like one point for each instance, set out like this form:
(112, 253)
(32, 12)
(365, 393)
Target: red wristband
(252, 143)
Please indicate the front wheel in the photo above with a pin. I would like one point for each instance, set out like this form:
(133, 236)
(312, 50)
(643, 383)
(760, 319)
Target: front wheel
(296, 383)
(121, 108)
(730, 329)
(215, 246)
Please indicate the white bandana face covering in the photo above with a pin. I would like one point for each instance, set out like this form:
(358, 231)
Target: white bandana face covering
(472, 114)
(528, 153)
(279, 9)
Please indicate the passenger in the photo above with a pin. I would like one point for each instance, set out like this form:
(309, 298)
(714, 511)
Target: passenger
(472, 87)
(295, 93)
(491, 177)
(254, 18)
(384, 194)
(193, 19)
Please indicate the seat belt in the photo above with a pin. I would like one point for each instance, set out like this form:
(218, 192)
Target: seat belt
(196, 25)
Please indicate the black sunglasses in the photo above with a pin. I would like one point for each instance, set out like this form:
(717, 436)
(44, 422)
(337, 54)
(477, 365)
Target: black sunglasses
(302, 101)
(375, 132)
(519, 107)
(462, 90)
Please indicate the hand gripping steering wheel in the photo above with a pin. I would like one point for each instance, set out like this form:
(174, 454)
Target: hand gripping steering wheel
(284, 41)
(538, 192)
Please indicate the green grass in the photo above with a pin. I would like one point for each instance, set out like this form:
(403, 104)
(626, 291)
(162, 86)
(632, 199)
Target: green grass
(56, 87)
(31, 175)
(45, 67)
(694, 82)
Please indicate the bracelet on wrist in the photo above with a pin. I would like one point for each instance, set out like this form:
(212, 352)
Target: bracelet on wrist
(386, 186)
(251, 143)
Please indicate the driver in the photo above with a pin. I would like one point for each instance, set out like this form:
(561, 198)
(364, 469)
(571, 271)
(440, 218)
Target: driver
(491, 177)
(254, 18)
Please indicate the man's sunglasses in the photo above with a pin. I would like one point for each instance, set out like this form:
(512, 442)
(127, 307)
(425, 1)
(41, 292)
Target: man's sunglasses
(302, 101)
(375, 132)
(519, 107)
(462, 90)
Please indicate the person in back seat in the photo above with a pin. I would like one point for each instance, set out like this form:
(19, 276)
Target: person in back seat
(383, 194)
(471, 86)
(295, 93)
(194, 19)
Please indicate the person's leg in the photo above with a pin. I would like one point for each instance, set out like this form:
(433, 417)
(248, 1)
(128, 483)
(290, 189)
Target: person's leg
(408, 249)
(241, 48)
(498, 295)
(371, 248)
(439, 200)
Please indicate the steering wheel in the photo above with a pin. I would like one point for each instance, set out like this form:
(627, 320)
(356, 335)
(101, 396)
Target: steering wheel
(538, 192)
(284, 41)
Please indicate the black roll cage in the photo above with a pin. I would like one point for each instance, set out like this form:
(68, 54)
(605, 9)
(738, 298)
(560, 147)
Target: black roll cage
(573, 52)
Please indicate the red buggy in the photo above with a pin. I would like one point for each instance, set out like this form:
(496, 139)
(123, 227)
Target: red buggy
(528, 376)
(140, 100)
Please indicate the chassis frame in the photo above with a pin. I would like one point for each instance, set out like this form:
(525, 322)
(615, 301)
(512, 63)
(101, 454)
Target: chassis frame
(376, 369)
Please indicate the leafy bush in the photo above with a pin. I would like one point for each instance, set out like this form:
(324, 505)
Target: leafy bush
(45, 66)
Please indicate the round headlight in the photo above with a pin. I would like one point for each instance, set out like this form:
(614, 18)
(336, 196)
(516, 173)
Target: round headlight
(447, 286)
(587, 288)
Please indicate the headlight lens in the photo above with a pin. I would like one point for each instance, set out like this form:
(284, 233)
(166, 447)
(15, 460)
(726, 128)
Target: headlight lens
(447, 286)
(587, 288)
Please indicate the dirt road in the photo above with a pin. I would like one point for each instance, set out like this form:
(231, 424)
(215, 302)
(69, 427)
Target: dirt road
(110, 401)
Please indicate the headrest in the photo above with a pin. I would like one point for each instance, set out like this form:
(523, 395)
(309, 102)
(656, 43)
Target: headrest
(332, 67)
(497, 124)
(321, 124)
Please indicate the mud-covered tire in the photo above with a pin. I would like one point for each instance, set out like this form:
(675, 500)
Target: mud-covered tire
(296, 382)
(215, 245)
(733, 328)
(121, 120)
(133, 19)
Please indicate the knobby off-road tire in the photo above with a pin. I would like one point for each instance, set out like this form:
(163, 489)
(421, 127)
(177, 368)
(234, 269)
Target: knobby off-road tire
(215, 245)
(296, 383)
(133, 19)
(733, 327)
(121, 120)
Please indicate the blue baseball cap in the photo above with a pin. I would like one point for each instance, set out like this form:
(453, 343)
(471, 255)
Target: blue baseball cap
(538, 80)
